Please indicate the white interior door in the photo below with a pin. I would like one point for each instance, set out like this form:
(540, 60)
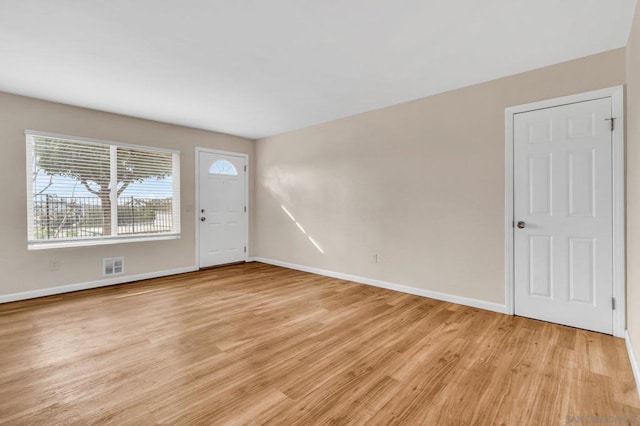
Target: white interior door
(563, 253)
(223, 212)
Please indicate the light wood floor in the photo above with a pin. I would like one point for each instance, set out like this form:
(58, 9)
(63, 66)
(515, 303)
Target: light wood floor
(253, 344)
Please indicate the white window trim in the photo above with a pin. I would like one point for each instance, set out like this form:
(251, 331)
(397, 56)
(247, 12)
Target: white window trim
(107, 240)
(29, 132)
(93, 242)
(616, 94)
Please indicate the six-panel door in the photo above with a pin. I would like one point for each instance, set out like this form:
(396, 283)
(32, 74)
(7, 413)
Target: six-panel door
(563, 194)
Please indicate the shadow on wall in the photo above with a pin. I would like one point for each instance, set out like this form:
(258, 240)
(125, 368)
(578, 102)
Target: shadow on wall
(274, 182)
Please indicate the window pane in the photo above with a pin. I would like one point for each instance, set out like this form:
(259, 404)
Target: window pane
(223, 167)
(70, 190)
(72, 183)
(145, 191)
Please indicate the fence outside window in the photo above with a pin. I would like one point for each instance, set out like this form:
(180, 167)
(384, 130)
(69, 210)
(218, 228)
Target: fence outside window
(61, 218)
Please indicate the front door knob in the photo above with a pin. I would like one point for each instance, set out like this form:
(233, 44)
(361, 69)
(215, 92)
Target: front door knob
(520, 224)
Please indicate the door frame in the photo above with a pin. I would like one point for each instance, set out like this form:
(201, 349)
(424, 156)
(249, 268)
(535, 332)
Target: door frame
(197, 195)
(616, 94)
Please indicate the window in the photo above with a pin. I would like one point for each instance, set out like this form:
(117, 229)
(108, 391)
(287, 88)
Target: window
(223, 167)
(83, 192)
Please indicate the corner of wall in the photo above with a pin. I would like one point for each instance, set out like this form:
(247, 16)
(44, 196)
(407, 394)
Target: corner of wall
(632, 336)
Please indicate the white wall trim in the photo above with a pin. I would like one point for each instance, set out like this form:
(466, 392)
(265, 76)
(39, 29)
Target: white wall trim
(475, 303)
(197, 196)
(32, 294)
(634, 360)
(619, 285)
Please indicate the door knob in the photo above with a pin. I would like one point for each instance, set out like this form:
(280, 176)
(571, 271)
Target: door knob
(520, 224)
(202, 219)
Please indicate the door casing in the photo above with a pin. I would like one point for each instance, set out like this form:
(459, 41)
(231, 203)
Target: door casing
(616, 94)
(196, 212)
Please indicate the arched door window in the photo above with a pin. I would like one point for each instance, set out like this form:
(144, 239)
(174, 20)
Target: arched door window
(223, 167)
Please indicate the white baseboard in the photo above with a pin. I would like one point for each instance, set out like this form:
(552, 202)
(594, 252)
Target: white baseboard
(32, 294)
(475, 303)
(634, 360)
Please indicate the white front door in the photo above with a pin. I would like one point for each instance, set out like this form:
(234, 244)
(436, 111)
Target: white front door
(223, 212)
(563, 251)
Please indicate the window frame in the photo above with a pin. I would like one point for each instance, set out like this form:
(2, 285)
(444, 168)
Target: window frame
(224, 162)
(110, 239)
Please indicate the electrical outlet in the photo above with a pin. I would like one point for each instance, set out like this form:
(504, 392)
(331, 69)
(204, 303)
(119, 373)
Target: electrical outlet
(374, 258)
(54, 265)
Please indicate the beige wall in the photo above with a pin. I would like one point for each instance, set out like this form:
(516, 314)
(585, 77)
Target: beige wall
(633, 184)
(24, 270)
(421, 184)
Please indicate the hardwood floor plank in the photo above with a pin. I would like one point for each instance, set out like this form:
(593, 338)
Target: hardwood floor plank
(259, 344)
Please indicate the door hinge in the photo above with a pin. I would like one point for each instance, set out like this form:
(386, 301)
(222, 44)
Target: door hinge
(613, 122)
(245, 209)
(245, 169)
(613, 303)
(245, 249)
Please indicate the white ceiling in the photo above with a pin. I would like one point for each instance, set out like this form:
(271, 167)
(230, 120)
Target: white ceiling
(257, 68)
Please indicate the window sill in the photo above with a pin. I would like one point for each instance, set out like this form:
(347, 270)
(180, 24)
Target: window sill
(44, 245)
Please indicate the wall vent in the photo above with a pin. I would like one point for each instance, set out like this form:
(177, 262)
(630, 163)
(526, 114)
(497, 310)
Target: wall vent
(112, 265)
